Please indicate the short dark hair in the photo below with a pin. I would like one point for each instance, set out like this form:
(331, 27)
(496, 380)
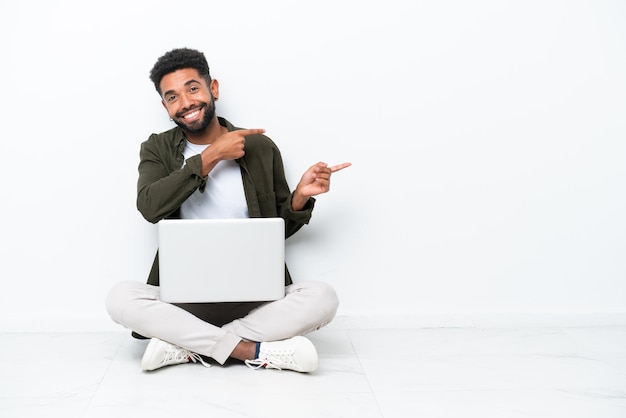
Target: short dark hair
(177, 59)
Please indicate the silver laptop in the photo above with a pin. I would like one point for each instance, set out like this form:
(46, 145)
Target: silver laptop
(221, 260)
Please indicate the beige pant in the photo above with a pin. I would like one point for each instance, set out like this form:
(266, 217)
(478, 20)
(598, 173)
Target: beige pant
(307, 306)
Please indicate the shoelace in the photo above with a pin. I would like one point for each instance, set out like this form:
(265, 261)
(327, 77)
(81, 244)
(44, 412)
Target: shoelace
(197, 357)
(180, 355)
(282, 357)
(259, 363)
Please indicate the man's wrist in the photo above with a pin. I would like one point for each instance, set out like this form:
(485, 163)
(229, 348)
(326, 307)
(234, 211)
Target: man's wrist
(298, 201)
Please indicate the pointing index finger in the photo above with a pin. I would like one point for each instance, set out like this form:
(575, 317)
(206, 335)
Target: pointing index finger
(339, 167)
(246, 132)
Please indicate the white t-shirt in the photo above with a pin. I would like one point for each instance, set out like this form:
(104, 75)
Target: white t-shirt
(223, 196)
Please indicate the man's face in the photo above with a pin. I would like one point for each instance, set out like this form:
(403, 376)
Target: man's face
(188, 100)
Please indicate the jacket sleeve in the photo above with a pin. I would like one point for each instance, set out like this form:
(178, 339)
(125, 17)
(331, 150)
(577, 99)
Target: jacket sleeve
(294, 220)
(160, 189)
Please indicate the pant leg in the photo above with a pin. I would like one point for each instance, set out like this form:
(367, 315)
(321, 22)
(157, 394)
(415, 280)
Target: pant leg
(307, 306)
(137, 307)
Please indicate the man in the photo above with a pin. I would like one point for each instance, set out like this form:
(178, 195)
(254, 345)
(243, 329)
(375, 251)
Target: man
(207, 168)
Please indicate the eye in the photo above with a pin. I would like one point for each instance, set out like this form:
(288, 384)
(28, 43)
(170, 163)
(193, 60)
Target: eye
(171, 98)
(194, 89)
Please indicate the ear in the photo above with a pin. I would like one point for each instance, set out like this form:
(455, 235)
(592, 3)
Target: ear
(164, 105)
(215, 88)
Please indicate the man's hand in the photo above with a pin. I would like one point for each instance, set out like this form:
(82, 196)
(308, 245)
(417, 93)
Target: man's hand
(315, 181)
(229, 146)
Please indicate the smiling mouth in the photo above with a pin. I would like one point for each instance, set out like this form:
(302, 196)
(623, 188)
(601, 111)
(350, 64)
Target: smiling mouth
(191, 115)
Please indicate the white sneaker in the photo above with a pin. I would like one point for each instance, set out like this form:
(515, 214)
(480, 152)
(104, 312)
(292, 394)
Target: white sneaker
(297, 353)
(159, 354)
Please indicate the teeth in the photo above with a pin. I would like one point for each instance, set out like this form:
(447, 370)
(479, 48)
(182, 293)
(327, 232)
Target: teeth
(192, 114)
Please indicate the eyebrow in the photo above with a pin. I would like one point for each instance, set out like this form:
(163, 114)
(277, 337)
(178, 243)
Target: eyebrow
(192, 81)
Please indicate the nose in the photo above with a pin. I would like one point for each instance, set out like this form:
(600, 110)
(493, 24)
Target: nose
(185, 101)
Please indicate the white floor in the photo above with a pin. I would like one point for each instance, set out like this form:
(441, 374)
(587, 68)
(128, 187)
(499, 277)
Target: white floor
(424, 372)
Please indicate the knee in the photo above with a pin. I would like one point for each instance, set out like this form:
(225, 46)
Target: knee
(329, 298)
(325, 298)
(325, 304)
(119, 298)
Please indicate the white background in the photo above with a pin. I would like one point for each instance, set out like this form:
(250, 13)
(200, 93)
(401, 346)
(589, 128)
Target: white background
(487, 140)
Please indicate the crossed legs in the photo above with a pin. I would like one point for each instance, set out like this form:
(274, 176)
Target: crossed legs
(307, 306)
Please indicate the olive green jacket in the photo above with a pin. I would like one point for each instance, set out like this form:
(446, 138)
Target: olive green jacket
(165, 183)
